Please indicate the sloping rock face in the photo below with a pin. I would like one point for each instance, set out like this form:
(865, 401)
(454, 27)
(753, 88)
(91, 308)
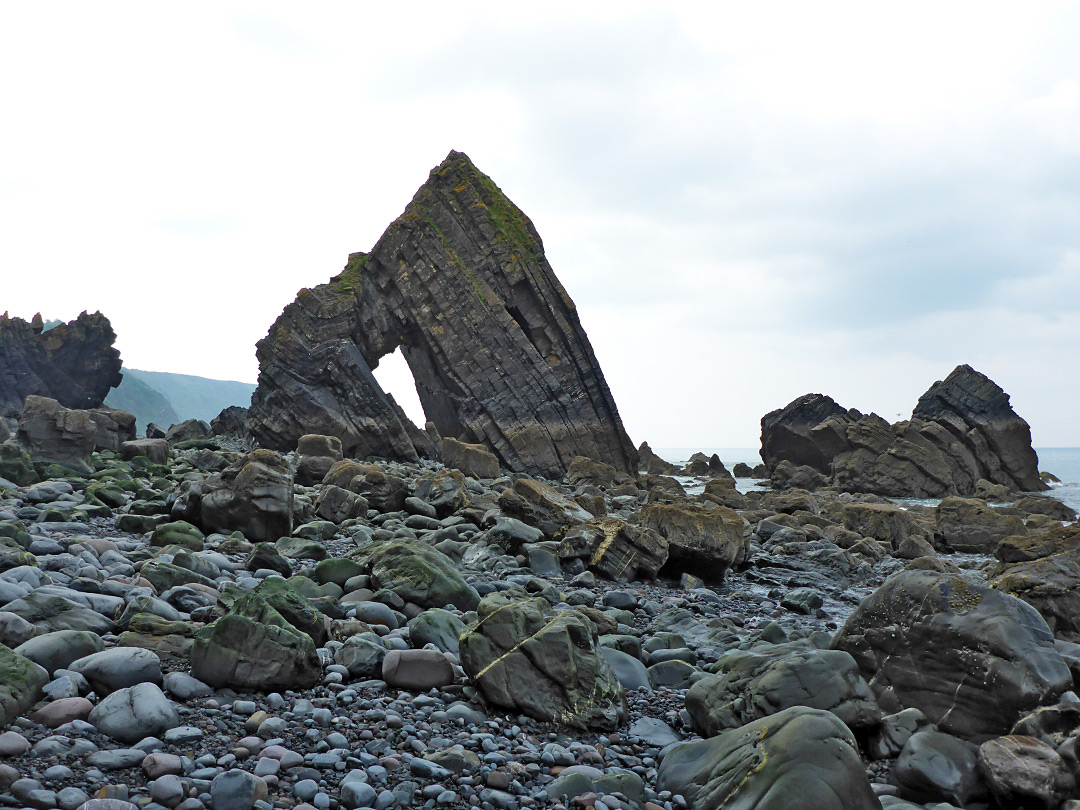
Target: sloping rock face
(460, 282)
(961, 431)
(74, 363)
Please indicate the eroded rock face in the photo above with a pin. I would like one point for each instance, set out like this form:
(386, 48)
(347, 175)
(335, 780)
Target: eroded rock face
(962, 430)
(74, 363)
(972, 659)
(460, 282)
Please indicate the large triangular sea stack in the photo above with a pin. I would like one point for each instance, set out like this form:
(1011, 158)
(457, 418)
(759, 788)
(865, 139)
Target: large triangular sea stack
(459, 281)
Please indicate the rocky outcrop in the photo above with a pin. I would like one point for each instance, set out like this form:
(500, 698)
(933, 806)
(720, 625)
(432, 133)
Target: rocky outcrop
(74, 363)
(460, 282)
(528, 658)
(962, 430)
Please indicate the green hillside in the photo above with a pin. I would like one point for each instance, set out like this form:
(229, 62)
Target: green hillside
(147, 403)
(165, 399)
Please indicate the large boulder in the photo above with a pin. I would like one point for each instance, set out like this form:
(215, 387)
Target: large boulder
(420, 574)
(472, 459)
(542, 506)
(526, 657)
(797, 759)
(962, 431)
(74, 363)
(315, 455)
(461, 284)
(753, 684)
(616, 550)
(1025, 772)
(129, 715)
(971, 658)
(254, 647)
(445, 491)
(156, 450)
(58, 649)
(968, 524)
(382, 490)
(253, 495)
(1044, 570)
(21, 682)
(881, 521)
(51, 432)
(701, 540)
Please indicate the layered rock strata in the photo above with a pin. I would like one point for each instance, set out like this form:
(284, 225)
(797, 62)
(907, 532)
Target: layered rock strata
(461, 284)
(963, 431)
(74, 363)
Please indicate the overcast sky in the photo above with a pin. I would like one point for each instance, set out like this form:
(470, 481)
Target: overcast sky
(747, 201)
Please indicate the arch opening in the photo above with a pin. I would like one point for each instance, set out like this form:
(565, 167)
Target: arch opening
(396, 378)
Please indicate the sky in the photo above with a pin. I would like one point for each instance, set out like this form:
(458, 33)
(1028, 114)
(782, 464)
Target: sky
(747, 201)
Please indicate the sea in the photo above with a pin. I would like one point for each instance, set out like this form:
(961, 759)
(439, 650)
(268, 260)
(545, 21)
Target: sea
(1064, 462)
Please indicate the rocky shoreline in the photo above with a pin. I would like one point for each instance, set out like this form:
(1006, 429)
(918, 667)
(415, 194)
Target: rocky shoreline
(115, 614)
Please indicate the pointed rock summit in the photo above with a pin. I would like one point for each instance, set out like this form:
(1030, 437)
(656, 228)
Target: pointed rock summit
(460, 282)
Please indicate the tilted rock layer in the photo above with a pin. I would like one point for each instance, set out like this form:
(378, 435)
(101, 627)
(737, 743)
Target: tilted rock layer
(74, 363)
(962, 430)
(460, 282)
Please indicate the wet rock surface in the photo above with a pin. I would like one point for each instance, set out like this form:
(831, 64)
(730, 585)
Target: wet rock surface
(418, 637)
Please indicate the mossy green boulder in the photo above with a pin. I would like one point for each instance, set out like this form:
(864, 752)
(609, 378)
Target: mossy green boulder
(16, 530)
(436, 626)
(163, 575)
(180, 533)
(107, 493)
(300, 548)
(16, 465)
(338, 570)
(254, 647)
(12, 555)
(420, 574)
(21, 681)
(296, 609)
(526, 657)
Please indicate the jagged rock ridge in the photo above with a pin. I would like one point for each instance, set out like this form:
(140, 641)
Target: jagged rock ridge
(962, 430)
(74, 363)
(460, 282)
